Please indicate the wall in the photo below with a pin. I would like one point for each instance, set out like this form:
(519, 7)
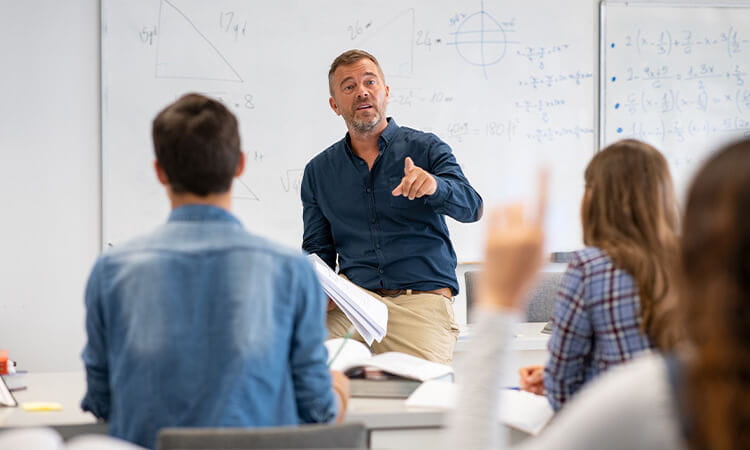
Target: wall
(49, 177)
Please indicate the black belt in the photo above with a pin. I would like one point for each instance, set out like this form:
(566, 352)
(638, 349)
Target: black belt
(445, 292)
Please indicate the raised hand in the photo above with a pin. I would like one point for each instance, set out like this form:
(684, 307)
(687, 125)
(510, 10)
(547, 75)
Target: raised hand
(513, 253)
(416, 182)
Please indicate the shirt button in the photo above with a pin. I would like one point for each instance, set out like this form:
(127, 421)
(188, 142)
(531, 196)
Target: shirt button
(369, 190)
(381, 271)
(377, 245)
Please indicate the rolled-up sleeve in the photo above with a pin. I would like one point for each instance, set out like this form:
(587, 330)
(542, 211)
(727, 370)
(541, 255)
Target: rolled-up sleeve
(454, 196)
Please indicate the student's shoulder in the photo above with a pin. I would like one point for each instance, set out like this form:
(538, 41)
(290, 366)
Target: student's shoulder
(113, 252)
(629, 406)
(640, 383)
(590, 258)
(230, 238)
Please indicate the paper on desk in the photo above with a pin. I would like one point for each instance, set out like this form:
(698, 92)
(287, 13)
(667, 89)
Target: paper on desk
(518, 409)
(368, 315)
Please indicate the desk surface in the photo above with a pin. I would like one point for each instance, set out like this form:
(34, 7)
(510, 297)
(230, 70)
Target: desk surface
(526, 336)
(67, 388)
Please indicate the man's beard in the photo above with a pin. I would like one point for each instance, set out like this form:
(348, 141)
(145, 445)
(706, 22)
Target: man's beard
(363, 126)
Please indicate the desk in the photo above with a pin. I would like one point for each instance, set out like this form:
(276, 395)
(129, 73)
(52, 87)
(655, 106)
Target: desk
(391, 423)
(528, 347)
(66, 388)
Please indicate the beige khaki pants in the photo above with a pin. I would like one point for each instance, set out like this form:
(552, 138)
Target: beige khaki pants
(421, 324)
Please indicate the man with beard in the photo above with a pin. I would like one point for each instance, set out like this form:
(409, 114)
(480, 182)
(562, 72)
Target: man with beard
(376, 200)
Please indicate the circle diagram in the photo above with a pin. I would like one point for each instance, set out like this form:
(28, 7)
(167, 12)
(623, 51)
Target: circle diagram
(481, 40)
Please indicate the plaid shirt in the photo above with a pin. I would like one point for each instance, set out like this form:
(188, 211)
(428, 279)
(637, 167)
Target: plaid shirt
(596, 324)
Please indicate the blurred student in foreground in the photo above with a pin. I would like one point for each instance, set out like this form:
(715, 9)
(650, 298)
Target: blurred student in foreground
(201, 323)
(696, 398)
(605, 310)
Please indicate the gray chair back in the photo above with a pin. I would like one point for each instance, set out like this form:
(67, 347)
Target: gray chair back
(330, 436)
(540, 305)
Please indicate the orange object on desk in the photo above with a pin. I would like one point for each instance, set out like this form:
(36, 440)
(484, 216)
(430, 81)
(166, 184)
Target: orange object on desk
(3, 362)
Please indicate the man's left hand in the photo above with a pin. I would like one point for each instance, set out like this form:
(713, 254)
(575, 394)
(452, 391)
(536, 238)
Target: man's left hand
(416, 182)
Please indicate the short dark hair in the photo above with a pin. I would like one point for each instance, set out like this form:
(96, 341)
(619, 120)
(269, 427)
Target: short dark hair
(347, 58)
(197, 144)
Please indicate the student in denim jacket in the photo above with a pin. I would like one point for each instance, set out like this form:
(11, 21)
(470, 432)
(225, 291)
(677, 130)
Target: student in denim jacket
(201, 323)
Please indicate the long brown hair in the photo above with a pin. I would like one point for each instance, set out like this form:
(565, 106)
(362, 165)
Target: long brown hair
(715, 294)
(629, 211)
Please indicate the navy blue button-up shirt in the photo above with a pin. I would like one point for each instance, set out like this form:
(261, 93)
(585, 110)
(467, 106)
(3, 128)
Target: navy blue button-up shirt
(384, 241)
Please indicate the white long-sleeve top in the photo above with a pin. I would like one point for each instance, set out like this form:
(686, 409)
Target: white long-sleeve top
(629, 407)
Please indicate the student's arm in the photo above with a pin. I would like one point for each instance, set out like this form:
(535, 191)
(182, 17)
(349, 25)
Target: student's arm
(314, 390)
(317, 237)
(513, 256)
(454, 196)
(97, 397)
(474, 425)
(341, 389)
(571, 340)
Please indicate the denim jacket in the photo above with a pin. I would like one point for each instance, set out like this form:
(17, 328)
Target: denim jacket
(201, 323)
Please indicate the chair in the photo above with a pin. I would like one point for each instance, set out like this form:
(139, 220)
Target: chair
(333, 436)
(541, 303)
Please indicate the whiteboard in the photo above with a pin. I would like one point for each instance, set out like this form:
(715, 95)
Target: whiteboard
(508, 87)
(676, 76)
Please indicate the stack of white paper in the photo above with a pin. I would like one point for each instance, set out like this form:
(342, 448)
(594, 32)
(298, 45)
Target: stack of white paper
(368, 315)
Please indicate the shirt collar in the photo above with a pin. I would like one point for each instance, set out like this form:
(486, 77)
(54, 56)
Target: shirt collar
(386, 135)
(390, 130)
(201, 213)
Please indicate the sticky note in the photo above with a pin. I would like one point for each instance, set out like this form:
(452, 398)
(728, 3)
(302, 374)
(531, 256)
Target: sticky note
(41, 406)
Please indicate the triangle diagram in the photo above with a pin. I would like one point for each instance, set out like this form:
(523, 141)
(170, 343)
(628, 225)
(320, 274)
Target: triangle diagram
(393, 44)
(183, 51)
(242, 191)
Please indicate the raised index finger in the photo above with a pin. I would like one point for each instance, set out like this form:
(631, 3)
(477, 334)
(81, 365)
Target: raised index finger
(541, 196)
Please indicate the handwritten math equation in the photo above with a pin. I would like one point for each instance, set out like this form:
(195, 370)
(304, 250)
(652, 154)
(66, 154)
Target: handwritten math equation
(412, 97)
(679, 85)
(234, 100)
(686, 41)
(682, 130)
(676, 100)
(659, 74)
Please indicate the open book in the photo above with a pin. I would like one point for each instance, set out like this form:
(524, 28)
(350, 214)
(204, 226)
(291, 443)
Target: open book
(368, 315)
(391, 374)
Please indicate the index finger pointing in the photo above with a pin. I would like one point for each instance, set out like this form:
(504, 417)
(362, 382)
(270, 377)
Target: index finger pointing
(542, 194)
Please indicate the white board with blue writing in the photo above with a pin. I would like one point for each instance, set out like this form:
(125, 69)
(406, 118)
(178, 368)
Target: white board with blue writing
(509, 85)
(676, 76)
